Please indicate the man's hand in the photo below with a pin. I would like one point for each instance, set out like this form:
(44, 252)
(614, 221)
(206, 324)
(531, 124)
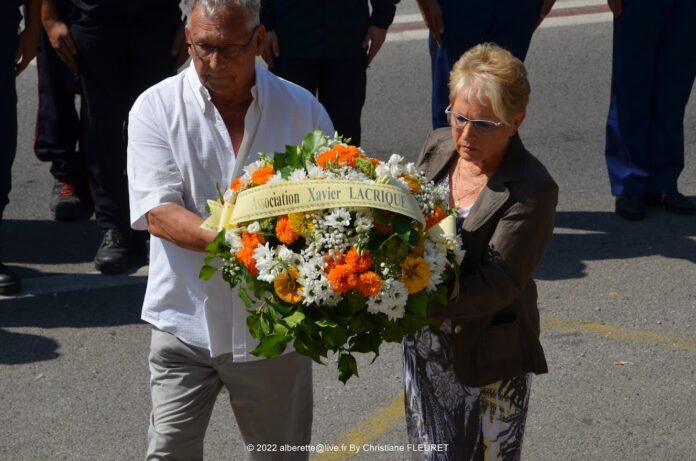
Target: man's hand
(29, 38)
(374, 38)
(270, 49)
(26, 50)
(179, 50)
(432, 17)
(59, 35)
(546, 6)
(616, 6)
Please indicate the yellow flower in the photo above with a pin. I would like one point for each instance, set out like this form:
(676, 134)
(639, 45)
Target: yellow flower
(287, 288)
(415, 273)
(302, 223)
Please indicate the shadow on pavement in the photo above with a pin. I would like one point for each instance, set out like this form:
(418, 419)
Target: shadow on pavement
(595, 235)
(49, 242)
(17, 348)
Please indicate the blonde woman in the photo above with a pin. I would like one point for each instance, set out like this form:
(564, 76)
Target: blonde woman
(467, 383)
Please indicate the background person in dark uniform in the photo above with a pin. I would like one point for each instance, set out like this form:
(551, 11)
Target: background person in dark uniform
(16, 51)
(325, 47)
(58, 126)
(653, 69)
(457, 25)
(121, 47)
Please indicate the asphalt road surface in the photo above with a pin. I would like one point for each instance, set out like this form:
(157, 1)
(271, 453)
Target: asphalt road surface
(617, 298)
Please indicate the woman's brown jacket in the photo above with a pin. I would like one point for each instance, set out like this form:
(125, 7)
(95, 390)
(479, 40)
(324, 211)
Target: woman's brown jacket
(495, 319)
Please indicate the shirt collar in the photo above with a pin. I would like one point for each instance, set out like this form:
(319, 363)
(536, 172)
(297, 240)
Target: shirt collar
(203, 96)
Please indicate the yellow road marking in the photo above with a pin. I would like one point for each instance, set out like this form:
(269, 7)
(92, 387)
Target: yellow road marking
(555, 324)
(386, 418)
(381, 421)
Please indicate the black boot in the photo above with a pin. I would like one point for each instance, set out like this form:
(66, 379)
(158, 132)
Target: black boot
(113, 254)
(9, 281)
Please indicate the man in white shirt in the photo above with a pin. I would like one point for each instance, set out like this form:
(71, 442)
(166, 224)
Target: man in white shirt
(186, 134)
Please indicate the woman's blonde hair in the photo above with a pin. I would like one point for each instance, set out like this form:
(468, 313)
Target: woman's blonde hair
(488, 70)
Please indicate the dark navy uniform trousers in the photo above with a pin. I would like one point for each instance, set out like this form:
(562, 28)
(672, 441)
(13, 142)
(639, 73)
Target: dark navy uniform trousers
(653, 69)
(9, 26)
(508, 23)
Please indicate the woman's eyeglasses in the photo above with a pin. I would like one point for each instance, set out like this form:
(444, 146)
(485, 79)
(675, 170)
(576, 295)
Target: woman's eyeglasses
(458, 121)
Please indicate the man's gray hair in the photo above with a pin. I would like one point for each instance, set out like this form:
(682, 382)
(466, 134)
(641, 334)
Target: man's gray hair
(211, 7)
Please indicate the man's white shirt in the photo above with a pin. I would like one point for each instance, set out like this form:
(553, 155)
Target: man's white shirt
(178, 150)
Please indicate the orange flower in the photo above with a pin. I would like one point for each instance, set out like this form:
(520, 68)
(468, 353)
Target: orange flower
(340, 155)
(261, 175)
(333, 262)
(246, 256)
(359, 263)
(251, 241)
(342, 278)
(287, 288)
(413, 183)
(237, 184)
(246, 253)
(369, 284)
(284, 231)
(438, 215)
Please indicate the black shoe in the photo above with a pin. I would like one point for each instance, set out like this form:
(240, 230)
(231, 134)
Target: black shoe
(672, 203)
(9, 281)
(66, 201)
(112, 255)
(632, 208)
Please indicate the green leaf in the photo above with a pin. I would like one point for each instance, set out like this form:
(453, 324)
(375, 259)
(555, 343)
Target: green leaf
(335, 337)
(313, 141)
(292, 320)
(402, 224)
(418, 304)
(361, 323)
(325, 323)
(366, 342)
(248, 302)
(271, 346)
(347, 367)
(303, 348)
(207, 272)
(265, 324)
(279, 161)
(253, 322)
(414, 238)
(280, 329)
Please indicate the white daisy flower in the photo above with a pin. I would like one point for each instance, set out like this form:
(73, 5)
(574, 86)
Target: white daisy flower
(297, 175)
(254, 227)
(233, 239)
(277, 177)
(339, 218)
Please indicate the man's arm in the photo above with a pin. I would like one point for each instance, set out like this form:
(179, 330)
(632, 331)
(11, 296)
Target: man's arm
(616, 6)
(432, 17)
(29, 39)
(270, 50)
(59, 35)
(546, 6)
(381, 18)
(178, 225)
